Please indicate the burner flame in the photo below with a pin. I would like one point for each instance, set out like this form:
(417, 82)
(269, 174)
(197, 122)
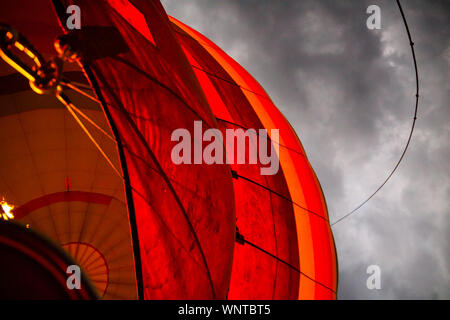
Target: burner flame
(6, 210)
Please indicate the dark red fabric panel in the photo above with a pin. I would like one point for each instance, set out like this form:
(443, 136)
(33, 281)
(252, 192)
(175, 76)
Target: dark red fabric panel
(317, 255)
(262, 215)
(264, 211)
(231, 94)
(185, 213)
(286, 284)
(253, 276)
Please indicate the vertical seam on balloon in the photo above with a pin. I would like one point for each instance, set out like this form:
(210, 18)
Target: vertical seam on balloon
(221, 61)
(169, 184)
(199, 69)
(127, 183)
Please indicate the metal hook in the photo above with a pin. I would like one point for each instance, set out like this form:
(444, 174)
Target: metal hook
(43, 76)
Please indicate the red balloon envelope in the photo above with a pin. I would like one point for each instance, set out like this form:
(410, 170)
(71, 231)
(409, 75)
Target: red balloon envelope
(182, 231)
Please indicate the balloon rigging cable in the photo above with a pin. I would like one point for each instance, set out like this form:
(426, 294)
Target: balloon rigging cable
(411, 43)
(78, 88)
(74, 87)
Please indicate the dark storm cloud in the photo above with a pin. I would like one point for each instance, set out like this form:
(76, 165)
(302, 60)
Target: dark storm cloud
(349, 93)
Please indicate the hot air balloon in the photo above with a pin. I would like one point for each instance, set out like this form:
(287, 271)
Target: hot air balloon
(34, 267)
(95, 175)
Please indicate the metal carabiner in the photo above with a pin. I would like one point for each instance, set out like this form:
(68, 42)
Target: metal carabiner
(43, 76)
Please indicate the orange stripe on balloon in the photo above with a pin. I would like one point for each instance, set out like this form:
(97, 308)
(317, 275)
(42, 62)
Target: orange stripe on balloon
(316, 244)
(307, 261)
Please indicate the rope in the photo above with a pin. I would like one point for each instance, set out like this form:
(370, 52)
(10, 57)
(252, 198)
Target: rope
(75, 88)
(243, 240)
(411, 43)
(70, 107)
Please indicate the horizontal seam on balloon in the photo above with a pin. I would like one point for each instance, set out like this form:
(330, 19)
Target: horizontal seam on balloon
(281, 196)
(288, 264)
(125, 146)
(276, 142)
(159, 173)
(231, 82)
(203, 43)
(162, 85)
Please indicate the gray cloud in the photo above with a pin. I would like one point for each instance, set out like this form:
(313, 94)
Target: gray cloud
(349, 93)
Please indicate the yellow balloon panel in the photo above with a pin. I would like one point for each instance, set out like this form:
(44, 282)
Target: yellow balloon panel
(62, 187)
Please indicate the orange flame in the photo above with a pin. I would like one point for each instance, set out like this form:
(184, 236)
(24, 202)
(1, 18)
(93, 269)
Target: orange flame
(6, 210)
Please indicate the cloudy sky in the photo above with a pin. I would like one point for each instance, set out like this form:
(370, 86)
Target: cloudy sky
(349, 93)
